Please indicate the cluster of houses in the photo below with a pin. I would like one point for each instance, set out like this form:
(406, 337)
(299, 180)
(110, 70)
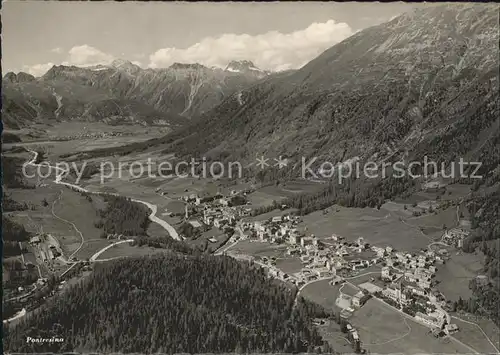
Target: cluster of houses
(279, 229)
(321, 260)
(50, 253)
(216, 210)
(409, 276)
(455, 237)
(352, 334)
(411, 283)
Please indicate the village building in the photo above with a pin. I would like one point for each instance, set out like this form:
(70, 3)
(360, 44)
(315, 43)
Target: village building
(293, 239)
(379, 251)
(385, 274)
(451, 328)
(455, 236)
(416, 290)
(422, 274)
(195, 223)
(359, 299)
(276, 219)
(424, 284)
(395, 293)
(322, 272)
(307, 241)
(410, 277)
(370, 288)
(432, 320)
(35, 239)
(482, 280)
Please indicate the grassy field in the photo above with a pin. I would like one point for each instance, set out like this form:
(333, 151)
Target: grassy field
(333, 335)
(491, 330)
(70, 129)
(268, 215)
(446, 217)
(91, 247)
(215, 233)
(383, 330)
(70, 206)
(454, 276)
(289, 265)
(36, 221)
(348, 290)
(256, 248)
(472, 336)
(322, 293)
(435, 219)
(126, 250)
(154, 229)
(365, 275)
(75, 208)
(453, 192)
(377, 227)
(266, 195)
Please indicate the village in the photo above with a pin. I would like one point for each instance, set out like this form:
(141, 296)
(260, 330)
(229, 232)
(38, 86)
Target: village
(405, 281)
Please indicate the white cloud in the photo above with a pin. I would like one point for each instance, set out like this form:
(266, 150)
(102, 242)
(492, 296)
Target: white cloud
(81, 56)
(38, 69)
(272, 50)
(86, 55)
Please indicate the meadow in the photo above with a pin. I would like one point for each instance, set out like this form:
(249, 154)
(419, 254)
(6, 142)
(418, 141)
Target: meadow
(383, 330)
(377, 227)
(127, 250)
(454, 276)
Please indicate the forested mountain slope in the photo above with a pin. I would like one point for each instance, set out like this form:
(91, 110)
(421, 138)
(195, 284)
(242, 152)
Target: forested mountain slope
(425, 83)
(172, 304)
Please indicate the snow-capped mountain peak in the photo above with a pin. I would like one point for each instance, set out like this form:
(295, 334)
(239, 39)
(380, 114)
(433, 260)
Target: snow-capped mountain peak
(245, 67)
(125, 65)
(239, 66)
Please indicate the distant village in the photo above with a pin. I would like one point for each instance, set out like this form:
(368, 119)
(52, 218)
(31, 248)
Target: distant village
(406, 281)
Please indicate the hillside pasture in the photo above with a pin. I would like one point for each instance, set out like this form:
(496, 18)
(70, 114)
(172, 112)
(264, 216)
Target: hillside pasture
(383, 330)
(377, 227)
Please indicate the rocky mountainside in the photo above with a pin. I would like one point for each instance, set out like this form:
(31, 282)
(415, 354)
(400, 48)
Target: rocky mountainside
(246, 67)
(121, 92)
(425, 83)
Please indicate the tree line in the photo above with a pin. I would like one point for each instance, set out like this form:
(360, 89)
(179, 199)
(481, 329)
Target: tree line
(12, 234)
(352, 193)
(123, 216)
(484, 211)
(170, 304)
(12, 173)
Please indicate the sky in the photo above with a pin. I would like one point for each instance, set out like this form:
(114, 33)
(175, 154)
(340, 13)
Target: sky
(274, 36)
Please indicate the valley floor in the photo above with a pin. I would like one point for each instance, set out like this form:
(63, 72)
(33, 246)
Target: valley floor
(69, 217)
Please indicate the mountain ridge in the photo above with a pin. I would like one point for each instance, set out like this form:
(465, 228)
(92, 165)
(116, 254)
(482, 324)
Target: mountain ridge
(165, 96)
(402, 85)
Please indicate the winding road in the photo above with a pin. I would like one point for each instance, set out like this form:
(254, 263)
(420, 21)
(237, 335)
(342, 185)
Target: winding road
(61, 173)
(96, 255)
(20, 314)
